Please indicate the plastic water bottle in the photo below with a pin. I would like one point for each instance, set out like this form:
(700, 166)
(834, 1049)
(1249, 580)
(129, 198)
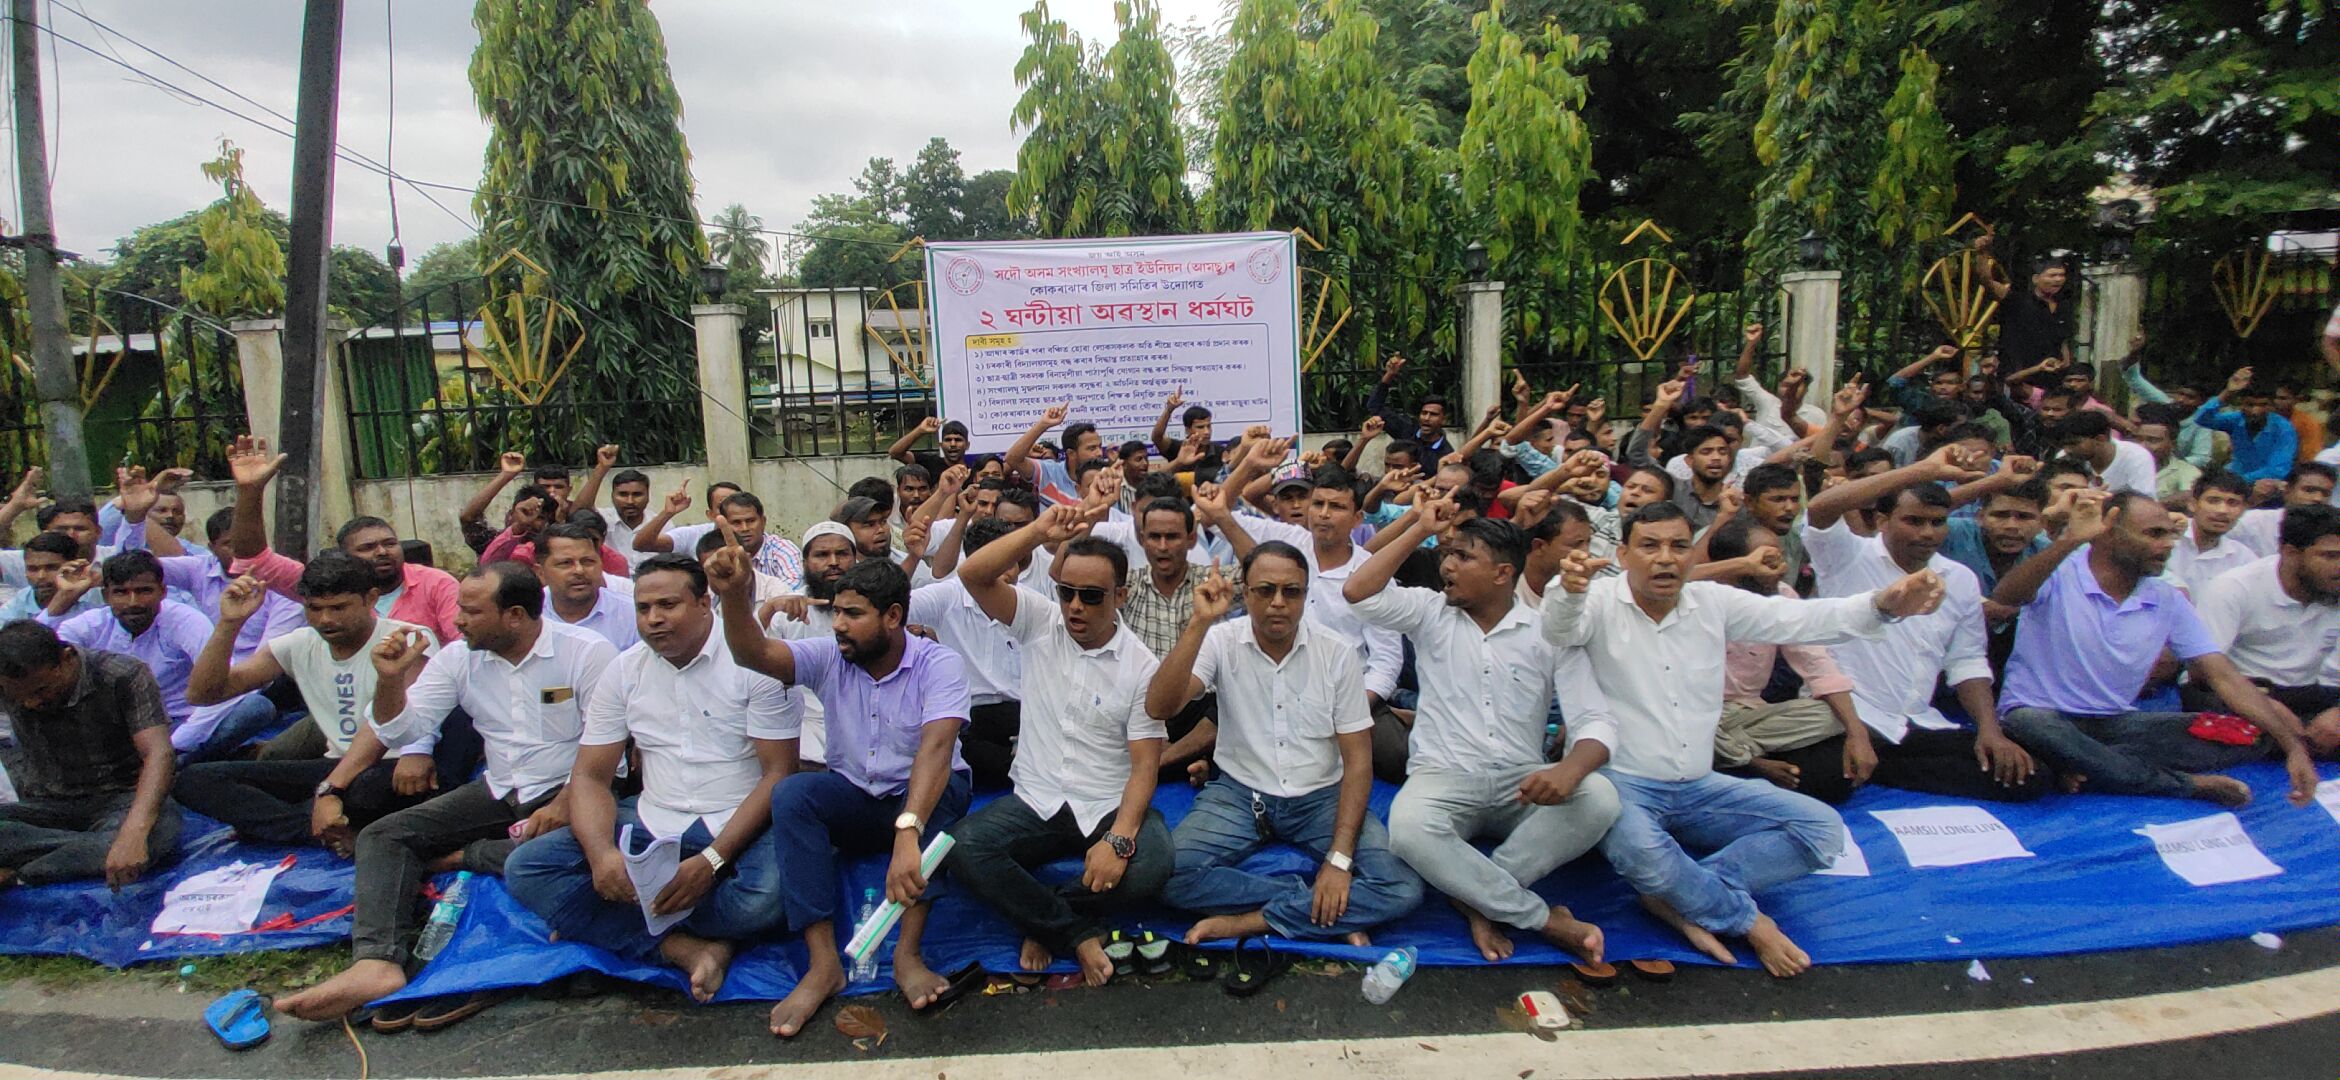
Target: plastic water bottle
(186, 975)
(866, 969)
(1552, 741)
(444, 915)
(1383, 979)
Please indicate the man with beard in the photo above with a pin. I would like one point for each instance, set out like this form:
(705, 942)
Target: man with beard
(524, 680)
(139, 621)
(421, 595)
(44, 557)
(577, 591)
(202, 576)
(829, 551)
(2278, 619)
(1894, 674)
(92, 763)
(895, 702)
(330, 658)
(629, 501)
(714, 738)
(2266, 446)
(1476, 762)
(2093, 628)
(1656, 646)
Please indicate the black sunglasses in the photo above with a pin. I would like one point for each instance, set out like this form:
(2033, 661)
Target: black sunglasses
(1089, 595)
(1265, 591)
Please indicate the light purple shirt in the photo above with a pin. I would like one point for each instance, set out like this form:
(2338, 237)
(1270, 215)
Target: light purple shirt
(203, 580)
(875, 725)
(168, 648)
(2077, 651)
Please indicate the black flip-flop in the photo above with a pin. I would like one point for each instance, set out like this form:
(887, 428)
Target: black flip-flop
(443, 1013)
(958, 985)
(1153, 955)
(1252, 969)
(1196, 963)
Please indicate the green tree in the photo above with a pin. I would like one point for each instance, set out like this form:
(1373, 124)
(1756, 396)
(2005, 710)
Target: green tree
(739, 238)
(1103, 154)
(983, 207)
(449, 261)
(360, 287)
(1526, 151)
(241, 274)
(932, 192)
(848, 243)
(588, 174)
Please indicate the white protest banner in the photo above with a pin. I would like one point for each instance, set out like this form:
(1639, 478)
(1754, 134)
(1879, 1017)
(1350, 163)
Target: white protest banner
(1114, 327)
(222, 901)
(2210, 850)
(1951, 836)
(2328, 797)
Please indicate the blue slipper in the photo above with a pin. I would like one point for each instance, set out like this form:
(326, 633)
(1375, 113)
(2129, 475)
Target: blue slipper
(239, 1020)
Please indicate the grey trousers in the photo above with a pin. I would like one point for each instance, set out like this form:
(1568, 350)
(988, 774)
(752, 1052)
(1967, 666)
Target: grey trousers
(49, 840)
(1436, 815)
(392, 852)
(1747, 732)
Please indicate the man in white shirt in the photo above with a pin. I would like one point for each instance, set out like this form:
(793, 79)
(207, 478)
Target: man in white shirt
(278, 801)
(2208, 546)
(714, 737)
(1656, 648)
(2278, 620)
(578, 592)
(2123, 466)
(1476, 764)
(657, 535)
(1893, 675)
(1295, 757)
(1084, 772)
(829, 551)
(2310, 483)
(525, 681)
(994, 662)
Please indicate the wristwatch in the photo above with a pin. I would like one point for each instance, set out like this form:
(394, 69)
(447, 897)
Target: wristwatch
(1339, 861)
(328, 788)
(714, 859)
(909, 821)
(1122, 846)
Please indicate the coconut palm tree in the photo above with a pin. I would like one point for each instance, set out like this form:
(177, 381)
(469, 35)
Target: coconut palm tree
(737, 241)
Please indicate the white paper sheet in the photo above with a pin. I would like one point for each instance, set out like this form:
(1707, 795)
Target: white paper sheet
(2210, 850)
(651, 868)
(1851, 862)
(2328, 797)
(1951, 836)
(223, 901)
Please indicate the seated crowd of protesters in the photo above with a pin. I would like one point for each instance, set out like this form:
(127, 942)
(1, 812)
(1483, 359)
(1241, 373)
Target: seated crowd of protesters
(1691, 634)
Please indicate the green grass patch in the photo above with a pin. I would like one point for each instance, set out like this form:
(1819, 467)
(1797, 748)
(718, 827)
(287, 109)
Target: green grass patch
(268, 971)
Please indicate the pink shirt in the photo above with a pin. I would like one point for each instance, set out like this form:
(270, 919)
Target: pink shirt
(1747, 667)
(427, 599)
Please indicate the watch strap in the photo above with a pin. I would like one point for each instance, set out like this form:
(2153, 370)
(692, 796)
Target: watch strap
(715, 859)
(1340, 861)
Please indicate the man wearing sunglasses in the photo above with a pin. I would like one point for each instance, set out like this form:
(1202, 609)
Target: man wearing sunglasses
(1084, 772)
(1476, 763)
(1295, 754)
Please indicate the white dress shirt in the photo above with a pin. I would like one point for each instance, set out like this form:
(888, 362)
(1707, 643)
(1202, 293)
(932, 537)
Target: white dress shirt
(1665, 678)
(612, 616)
(1485, 695)
(2132, 469)
(2265, 632)
(2259, 530)
(1278, 721)
(994, 668)
(1085, 707)
(2191, 568)
(697, 727)
(1893, 675)
(620, 539)
(1382, 650)
(528, 716)
(813, 740)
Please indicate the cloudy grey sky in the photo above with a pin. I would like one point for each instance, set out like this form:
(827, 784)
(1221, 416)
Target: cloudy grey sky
(782, 100)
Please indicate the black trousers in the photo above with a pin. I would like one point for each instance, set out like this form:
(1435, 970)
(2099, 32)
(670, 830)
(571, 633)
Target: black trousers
(1935, 762)
(996, 848)
(2303, 701)
(1182, 725)
(392, 852)
(49, 840)
(988, 742)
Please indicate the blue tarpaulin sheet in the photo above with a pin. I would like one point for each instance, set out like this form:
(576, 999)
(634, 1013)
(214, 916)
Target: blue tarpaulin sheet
(2092, 883)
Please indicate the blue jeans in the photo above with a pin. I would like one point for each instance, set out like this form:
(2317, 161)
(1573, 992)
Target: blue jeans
(1758, 836)
(550, 876)
(1220, 832)
(2138, 753)
(818, 815)
(242, 720)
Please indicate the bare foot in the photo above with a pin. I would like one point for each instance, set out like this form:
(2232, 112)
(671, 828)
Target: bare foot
(1359, 939)
(1780, 956)
(357, 984)
(1778, 772)
(812, 991)
(1700, 938)
(1573, 934)
(1035, 956)
(2072, 782)
(1096, 967)
(2226, 791)
(918, 983)
(706, 961)
(1227, 926)
(1490, 938)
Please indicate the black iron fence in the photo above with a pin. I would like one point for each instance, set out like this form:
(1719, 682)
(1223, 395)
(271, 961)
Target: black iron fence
(433, 387)
(160, 386)
(843, 371)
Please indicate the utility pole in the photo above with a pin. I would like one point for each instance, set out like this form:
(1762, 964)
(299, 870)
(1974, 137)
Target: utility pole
(52, 352)
(306, 272)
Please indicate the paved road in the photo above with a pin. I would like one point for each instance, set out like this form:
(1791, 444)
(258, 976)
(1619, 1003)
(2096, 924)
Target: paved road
(2242, 1011)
